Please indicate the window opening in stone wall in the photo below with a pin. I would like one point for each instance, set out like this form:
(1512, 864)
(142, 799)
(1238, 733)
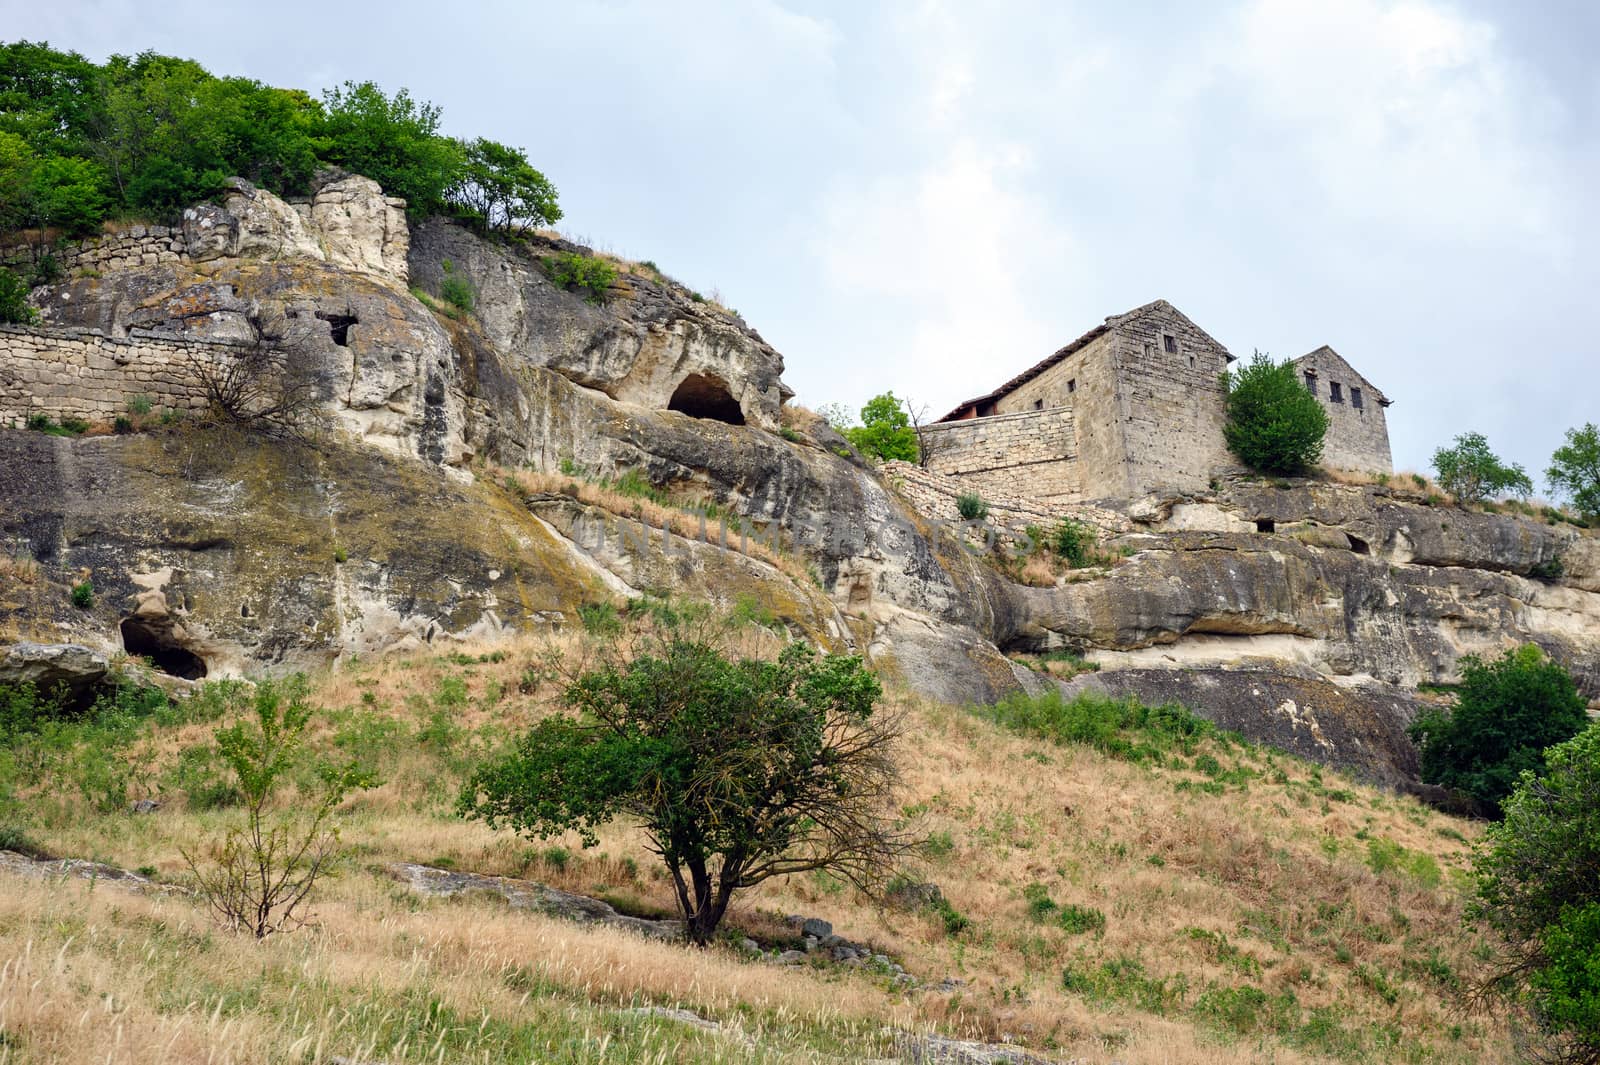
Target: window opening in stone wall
(1149, 349)
(1266, 525)
(1191, 362)
(1038, 404)
(1355, 397)
(1072, 385)
(1311, 381)
(1170, 343)
(1334, 393)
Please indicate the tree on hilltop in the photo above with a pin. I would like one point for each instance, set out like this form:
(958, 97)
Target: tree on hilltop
(1472, 473)
(1275, 425)
(1575, 469)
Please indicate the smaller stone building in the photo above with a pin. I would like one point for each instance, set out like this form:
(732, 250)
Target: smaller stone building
(1358, 431)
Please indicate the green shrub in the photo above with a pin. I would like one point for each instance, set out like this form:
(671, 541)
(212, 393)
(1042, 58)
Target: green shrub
(589, 274)
(1122, 728)
(1551, 569)
(954, 922)
(790, 435)
(1081, 919)
(456, 289)
(140, 405)
(1538, 879)
(971, 507)
(83, 595)
(600, 619)
(1074, 541)
(1506, 713)
(634, 483)
(14, 306)
(1472, 473)
(1274, 424)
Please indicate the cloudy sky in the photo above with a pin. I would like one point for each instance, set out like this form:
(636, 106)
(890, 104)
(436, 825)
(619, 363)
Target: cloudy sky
(926, 197)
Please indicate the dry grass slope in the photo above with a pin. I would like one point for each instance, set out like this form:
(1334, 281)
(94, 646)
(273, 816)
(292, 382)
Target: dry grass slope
(1254, 909)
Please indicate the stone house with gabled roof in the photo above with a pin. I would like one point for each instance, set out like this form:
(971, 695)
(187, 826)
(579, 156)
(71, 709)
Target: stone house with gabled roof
(1133, 405)
(1358, 428)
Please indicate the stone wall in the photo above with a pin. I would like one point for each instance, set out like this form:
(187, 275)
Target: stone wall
(1027, 455)
(1358, 436)
(124, 247)
(79, 373)
(1171, 402)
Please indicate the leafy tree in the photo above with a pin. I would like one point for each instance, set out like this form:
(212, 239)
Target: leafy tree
(1274, 424)
(394, 140)
(1575, 469)
(1472, 473)
(66, 192)
(737, 770)
(14, 307)
(498, 188)
(885, 430)
(50, 98)
(1506, 713)
(1538, 884)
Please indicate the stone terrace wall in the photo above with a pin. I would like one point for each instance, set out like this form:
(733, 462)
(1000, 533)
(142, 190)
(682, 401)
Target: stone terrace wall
(80, 373)
(134, 245)
(1029, 455)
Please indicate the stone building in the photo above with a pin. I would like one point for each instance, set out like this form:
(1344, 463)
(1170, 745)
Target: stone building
(1358, 431)
(1133, 405)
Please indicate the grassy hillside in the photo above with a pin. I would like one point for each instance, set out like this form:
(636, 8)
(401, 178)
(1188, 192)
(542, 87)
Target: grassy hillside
(1154, 894)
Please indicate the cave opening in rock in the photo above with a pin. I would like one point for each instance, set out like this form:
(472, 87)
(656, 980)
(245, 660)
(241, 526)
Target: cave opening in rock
(706, 396)
(153, 639)
(1358, 545)
(1266, 525)
(339, 326)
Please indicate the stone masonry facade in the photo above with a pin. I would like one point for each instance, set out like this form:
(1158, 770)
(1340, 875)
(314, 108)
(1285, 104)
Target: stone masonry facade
(1358, 428)
(1132, 406)
(79, 373)
(1022, 455)
(127, 247)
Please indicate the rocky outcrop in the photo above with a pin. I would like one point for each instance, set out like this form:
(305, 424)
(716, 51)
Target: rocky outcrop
(649, 344)
(66, 668)
(349, 223)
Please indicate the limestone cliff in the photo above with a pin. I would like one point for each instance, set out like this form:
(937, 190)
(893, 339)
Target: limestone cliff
(1307, 615)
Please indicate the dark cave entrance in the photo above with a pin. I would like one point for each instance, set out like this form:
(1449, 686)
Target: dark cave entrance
(153, 639)
(706, 396)
(339, 326)
(1266, 525)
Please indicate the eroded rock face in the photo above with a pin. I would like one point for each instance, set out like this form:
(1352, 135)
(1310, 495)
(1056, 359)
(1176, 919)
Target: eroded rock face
(650, 344)
(349, 224)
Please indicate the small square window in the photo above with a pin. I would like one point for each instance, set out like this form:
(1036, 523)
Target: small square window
(1355, 397)
(1072, 385)
(1311, 382)
(1038, 404)
(1334, 392)
(1170, 343)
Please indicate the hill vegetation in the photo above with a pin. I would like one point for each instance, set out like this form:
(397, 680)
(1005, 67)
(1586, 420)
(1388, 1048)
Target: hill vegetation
(1112, 882)
(149, 135)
